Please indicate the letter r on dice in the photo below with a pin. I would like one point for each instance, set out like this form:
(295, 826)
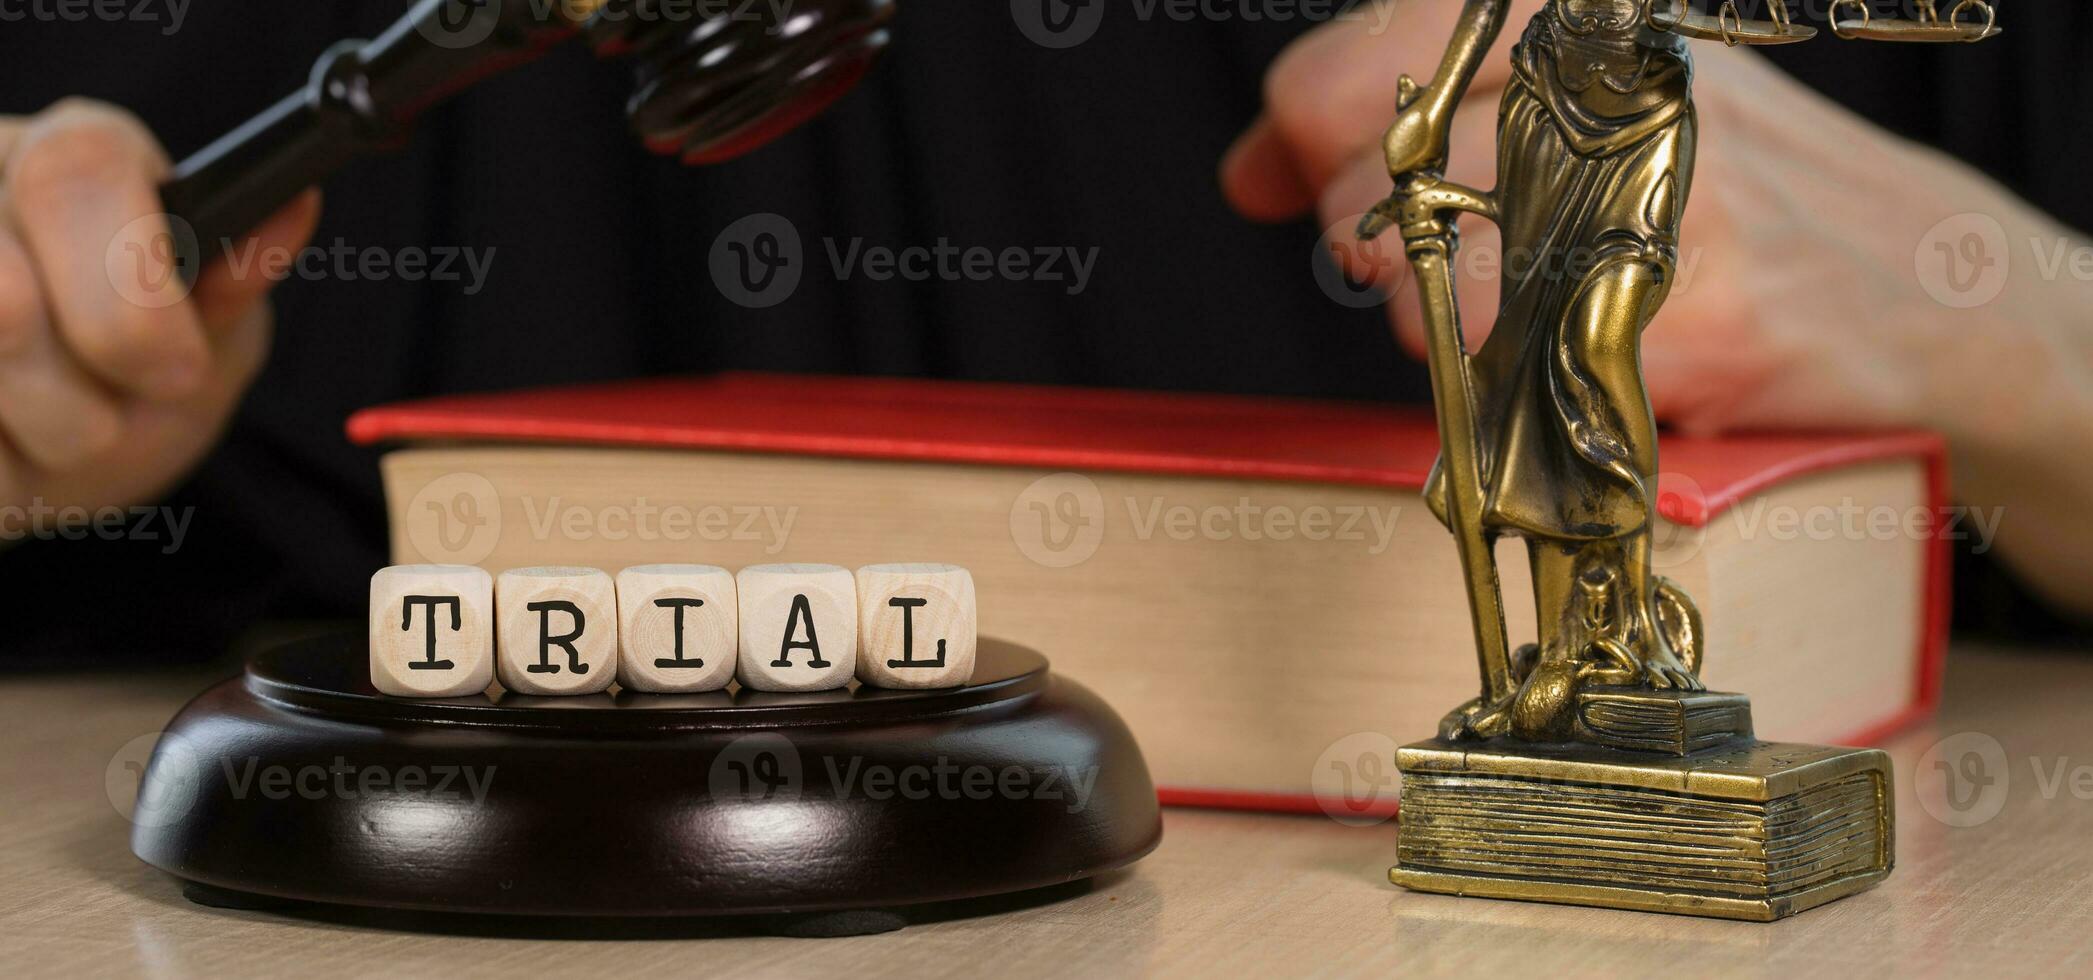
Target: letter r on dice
(556, 629)
(432, 630)
(916, 625)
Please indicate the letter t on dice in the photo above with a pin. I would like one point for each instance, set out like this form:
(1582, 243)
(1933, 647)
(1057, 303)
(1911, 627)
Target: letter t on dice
(556, 629)
(916, 625)
(432, 630)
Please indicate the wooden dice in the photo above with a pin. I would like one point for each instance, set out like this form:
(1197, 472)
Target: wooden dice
(556, 630)
(799, 627)
(915, 625)
(678, 628)
(442, 631)
(432, 631)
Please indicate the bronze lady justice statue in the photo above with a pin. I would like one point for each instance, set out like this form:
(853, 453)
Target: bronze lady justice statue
(1595, 160)
(1547, 785)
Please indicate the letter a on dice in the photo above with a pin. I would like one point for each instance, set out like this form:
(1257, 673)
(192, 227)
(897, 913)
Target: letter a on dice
(915, 625)
(799, 627)
(557, 630)
(432, 631)
(677, 628)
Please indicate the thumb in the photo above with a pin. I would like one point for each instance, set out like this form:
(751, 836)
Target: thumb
(231, 285)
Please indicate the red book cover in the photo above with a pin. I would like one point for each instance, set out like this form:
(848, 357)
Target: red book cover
(1111, 430)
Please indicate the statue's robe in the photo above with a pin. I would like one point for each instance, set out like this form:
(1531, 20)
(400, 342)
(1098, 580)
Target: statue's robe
(1595, 156)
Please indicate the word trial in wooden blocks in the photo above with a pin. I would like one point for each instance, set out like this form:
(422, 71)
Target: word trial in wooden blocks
(442, 631)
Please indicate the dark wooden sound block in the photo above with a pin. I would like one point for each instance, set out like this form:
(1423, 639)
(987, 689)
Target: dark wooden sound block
(298, 782)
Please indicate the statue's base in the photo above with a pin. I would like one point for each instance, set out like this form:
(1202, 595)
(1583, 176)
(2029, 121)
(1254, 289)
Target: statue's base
(1751, 830)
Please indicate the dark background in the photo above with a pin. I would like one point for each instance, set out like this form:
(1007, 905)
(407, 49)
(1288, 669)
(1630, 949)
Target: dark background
(967, 132)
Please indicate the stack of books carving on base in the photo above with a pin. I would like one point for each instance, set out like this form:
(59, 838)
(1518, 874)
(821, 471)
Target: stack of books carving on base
(1255, 584)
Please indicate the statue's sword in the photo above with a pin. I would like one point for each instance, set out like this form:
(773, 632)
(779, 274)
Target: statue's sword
(1424, 206)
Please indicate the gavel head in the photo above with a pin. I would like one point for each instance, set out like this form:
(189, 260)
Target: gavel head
(718, 79)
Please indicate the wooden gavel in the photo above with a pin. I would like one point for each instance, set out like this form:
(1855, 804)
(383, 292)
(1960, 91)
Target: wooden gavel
(714, 83)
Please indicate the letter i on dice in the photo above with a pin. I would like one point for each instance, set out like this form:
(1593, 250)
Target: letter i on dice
(677, 628)
(432, 630)
(916, 625)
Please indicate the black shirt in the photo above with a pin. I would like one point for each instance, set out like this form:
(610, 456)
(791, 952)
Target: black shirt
(968, 134)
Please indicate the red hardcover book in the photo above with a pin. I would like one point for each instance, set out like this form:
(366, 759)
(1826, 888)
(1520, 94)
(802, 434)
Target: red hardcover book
(1253, 582)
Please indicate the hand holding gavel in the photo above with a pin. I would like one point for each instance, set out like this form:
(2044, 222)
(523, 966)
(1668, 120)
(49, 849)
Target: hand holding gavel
(116, 376)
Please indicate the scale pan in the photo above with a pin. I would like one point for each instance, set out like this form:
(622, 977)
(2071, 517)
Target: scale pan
(1709, 27)
(1915, 31)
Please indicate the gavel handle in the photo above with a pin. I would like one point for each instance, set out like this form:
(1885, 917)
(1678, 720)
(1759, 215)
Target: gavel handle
(363, 97)
(230, 186)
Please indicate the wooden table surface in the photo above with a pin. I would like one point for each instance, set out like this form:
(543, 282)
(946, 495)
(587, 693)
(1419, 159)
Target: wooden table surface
(1227, 894)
